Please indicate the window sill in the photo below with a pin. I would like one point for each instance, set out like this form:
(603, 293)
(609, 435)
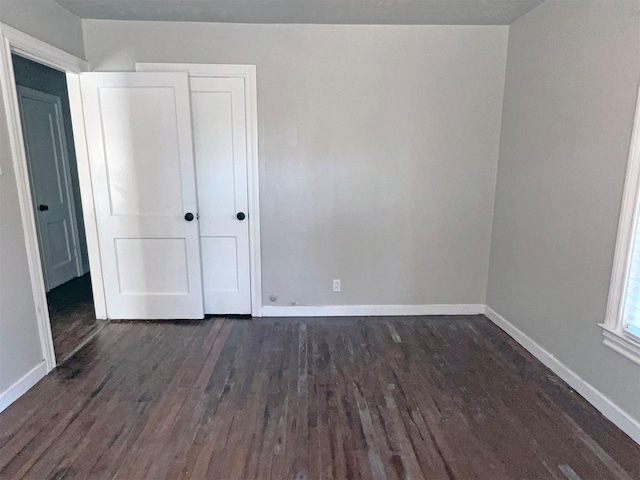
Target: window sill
(623, 343)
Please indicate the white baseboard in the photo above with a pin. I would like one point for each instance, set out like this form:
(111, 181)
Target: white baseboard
(369, 310)
(19, 388)
(609, 409)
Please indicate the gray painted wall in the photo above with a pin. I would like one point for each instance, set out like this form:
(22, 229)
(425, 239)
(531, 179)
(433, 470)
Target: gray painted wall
(20, 349)
(378, 149)
(572, 79)
(45, 20)
(19, 338)
(38, 77)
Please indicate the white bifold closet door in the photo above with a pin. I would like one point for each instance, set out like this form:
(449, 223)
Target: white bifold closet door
(220, 137)
(143, 175)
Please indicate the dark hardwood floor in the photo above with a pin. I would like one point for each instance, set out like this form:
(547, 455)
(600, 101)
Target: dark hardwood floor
(72, 316)
(421, 397)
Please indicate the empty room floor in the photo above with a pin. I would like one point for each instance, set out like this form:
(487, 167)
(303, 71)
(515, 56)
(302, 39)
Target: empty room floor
(414, 397)
(72, 316)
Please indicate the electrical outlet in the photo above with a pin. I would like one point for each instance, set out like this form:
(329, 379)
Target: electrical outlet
(336, 285)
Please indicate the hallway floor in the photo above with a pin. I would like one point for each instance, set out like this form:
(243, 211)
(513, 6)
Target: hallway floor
(415, 397)
(72, 316)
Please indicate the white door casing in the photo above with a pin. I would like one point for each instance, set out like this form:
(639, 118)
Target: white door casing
(142, 167)
(225, 133)
(14, 41)
(50, 178)
(220, 139)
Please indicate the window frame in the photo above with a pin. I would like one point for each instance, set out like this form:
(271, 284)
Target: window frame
(615, 335)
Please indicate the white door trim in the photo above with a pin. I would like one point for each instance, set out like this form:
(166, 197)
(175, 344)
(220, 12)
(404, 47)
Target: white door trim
(41, 52)
(14, 41)
(86, 194)
(248, 73)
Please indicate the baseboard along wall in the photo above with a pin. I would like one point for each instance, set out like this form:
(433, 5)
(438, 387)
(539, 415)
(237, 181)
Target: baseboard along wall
(19, 388)
(370, 310)
(604, 405)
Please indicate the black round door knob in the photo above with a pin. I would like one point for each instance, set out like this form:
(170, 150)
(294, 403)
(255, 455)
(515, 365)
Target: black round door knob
(43, 208)
(241, 216)
(189, 216)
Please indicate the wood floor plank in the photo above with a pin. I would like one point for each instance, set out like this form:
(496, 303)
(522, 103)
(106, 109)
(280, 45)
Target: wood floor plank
(347, 398)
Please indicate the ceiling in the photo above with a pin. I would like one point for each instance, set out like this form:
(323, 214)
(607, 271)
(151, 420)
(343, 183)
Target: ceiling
(402, 12)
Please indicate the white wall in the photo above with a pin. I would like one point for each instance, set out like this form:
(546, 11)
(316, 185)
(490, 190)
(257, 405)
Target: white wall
(20, 349)
(573, 71)
(378, 149)
(45, 20)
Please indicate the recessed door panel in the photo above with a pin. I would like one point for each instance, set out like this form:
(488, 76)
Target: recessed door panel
(223, 250)
(213, 135)
(59, 251)
(142, 168)
(141, 174)
(157, 266)
(44, 149)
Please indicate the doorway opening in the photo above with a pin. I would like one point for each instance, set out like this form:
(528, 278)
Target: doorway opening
(43, 102)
